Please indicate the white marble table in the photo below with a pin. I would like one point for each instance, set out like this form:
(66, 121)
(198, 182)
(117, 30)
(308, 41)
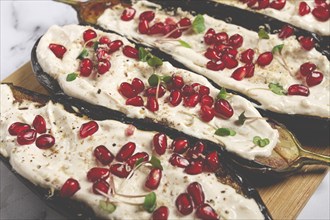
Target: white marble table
(22, 23)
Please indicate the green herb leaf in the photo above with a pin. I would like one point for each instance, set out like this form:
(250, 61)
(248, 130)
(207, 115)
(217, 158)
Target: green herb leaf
(72, 76)
(277, 48)
(276, 88)
(256, 140)
(96, 45)
(184, 44)
(154, 61)
(241, 118)
(263, 34)
(222, 94)
(149, 203)
(153, 80)
(107, 207)
(260, 142)
(143, 54)
(166, 79)
(83, 54)
(198, 24)
(225, 132)
(155, 162)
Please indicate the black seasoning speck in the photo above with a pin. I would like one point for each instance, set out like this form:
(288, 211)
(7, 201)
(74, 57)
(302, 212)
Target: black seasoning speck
(98, 91)
(114, 144)
(223, 191)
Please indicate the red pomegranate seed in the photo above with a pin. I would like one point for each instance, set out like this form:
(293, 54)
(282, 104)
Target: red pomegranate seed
(229, 61)
(265, 59)
(160, 143)
(215, 65)
(17, 127)
(178, 161)
(191, 101)
(152, 104)
(58, 50)
(188, 90)
(236, 41)
(207, 113)
(97, 173)
(211, 54)
(138, 85)
(221, 38)
(205, 211)
(285, 32)
(321, 13)
(26, 137)
(168, 28)
(277, 4)
(203, 90)
(195, 190)
(69, 188)
(147, 15)
(239, 73)
(307, 68)
(223, 108)
(249, 70)
(126, 151)
(314, 78)
(180, 145)
(177, 81)
(86, 67)
(157, 28)
(128, 14)
(304, 9)
(119, 170)
(39, 124)
(251, 3)
(103, 66)
(134, 158)
(306, 42)
(195, 167)
(131, 52)
(176, 33)
(184, 204)
(88, 129)
(184, 22)
(45, 141)
(89, 35)
(247, 56)
(115, 45)
(297, 89)
(135, 101)
(102, 186)
(127, 90)
(102, 54)
(206, 100)
(262, 4)
(209, 36)
(175, 97)
(143, 27)
(212, 161)
(153, 90)
(153, 179)
(104, 40)
(103, 155)
(231, 51)
(161, 213)
(196, 151)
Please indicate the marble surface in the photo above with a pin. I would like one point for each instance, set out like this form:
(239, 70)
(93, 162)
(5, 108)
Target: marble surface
(22, 23)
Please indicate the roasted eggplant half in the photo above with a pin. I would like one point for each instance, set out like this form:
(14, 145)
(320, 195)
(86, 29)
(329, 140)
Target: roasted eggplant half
(75, 176)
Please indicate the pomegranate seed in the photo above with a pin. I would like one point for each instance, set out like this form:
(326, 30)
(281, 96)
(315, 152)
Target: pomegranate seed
(152, 104)
(89, 35)
(239, 73)
(176, 34)
(209, 36)
(45, 141)
(157, 28)
(207, 113)
(97, 173)
(314, 78)
(297, 89)
(307, 68)
(265, 59)
(321, 13)
(306, 42)
(195, 190)
(196, 151)
(180, 145)
(221, 38)
(133, 159)
(104, 40)
(205, 211)
(58, 50)
(161, 213)
(191, 101)
(304, 9)
(88, 129)
(26, 137)
(247, 56)
(231, 51)
(127, 90)
(168, 28)
(212, 161)
(206, 100)
(153, 90)
(195, 167)
(119, 170)
(223, 108)
(204, 90)
(188, 90)
(211, 54)
(249, 70)
(184, 204)
(143, 27)
(153, 179)
(103, 66)
(126, 151)
(103, 155)
(17, 127)
(160, 143)
(220, 48)
(215, 65)
(178, 161)
(102, 54)
(236, 41)
(277, 4)
(86, 67)
(177, 81)
(39, 124)
(102, 186)
(251, 3)
(175, 97)
(286, 32)
(135, 101)
(128, 14)
(115, 45)
(262, 4)
(131, 52)
(69, 188)
(138, 85)
(147, 15)
(184, 22)
(229, 61)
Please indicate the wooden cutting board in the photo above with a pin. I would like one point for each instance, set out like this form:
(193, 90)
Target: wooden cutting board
(284, 199)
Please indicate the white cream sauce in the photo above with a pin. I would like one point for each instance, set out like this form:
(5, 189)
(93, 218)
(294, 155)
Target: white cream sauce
(283, 69)
(72, 157)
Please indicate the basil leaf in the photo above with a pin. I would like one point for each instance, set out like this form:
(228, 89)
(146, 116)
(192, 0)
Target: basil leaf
(143, 54)
(153, 80)
(83, 54)
(107, 207)
(154, 61)
(198, 24)
(70, 77)
(225, 132)
(184, 44)
(222, 94)
(166, 79)
(241, 118)
(276, 88)
(155, 162)
(96, 45)
(277, 48)
(149, 203)
(263, 34)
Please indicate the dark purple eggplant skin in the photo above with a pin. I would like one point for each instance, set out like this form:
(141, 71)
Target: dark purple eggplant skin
(77, 210)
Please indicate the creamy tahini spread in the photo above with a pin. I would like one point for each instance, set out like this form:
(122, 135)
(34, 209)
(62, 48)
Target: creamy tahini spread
(103, 90)
(283, 69)
(72, 157)
(289, 14)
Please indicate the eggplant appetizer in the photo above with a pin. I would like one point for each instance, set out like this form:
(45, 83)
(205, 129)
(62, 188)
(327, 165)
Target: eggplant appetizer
(117, 171)
(107, 71)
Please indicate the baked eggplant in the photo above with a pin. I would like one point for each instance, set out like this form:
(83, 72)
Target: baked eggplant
(75, 157)
(268, 95)
(113, 93)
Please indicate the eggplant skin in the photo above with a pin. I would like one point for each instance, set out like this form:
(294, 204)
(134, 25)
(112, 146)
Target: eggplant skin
(77, 210)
